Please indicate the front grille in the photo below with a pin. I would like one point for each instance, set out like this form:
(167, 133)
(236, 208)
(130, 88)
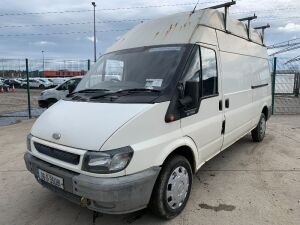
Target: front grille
(57, 154)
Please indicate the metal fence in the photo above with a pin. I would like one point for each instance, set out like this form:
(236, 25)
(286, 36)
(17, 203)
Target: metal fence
(286, 87)
(22, 100)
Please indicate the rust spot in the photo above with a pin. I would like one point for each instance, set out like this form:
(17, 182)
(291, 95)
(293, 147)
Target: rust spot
(157, 33)
(170, 28)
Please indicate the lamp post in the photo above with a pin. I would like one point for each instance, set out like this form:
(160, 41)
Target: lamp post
(43, 64)
(95, 54)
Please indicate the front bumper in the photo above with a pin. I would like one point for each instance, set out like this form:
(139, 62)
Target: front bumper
(107, 195)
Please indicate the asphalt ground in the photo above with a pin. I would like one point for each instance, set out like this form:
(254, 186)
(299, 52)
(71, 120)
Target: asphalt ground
(248, 183)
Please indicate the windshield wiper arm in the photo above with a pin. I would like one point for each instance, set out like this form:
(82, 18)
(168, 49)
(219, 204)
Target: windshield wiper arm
(132, 90)
(127, 91)
(88, 91)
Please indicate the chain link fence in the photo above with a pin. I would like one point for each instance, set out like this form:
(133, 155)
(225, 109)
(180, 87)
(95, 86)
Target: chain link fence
(287, 84)
(19, 98)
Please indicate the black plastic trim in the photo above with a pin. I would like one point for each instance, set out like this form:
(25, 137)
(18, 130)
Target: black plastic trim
(57, 154)
(259, 86)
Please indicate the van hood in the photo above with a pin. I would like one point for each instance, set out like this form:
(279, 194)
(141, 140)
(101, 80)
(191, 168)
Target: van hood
(84, 125)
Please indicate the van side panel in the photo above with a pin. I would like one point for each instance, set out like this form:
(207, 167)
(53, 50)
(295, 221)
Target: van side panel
(261, 89)
(244, 64)
(233, 44)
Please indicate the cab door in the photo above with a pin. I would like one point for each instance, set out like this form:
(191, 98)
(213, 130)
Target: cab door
(204, 120)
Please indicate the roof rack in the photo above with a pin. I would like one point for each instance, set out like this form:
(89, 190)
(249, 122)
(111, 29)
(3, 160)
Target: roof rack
(226, 7)
(248, 19)
(262, 28)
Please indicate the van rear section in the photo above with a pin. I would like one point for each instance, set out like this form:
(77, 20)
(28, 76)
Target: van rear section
(168, 96)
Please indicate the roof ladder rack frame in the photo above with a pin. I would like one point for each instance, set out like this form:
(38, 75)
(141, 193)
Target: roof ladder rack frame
(248, 19)
(226, 7)
(262, 28)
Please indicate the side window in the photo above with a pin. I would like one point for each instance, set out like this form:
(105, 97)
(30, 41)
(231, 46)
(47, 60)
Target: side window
(193, 72)
(64, 86)
(209, 72)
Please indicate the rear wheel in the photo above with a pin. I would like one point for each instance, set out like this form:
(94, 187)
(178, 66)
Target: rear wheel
(258, 133)
(42, 86)
(172, 189)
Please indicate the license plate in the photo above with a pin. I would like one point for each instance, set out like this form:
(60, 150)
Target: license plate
(51, 179)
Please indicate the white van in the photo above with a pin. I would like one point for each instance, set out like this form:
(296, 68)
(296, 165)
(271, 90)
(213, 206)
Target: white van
(186, 90)
(50, 96)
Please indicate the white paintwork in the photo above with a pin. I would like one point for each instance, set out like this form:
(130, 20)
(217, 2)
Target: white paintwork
(84, 125)
(182, 28)
(98, 126)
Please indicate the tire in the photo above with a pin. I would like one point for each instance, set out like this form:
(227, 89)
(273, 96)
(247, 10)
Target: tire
(162, 202)
(258, 133)
(51, 102)
(41, 86)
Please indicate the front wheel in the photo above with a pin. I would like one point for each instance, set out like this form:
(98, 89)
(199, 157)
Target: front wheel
(172, 189)
(50, 102)
(258, 133)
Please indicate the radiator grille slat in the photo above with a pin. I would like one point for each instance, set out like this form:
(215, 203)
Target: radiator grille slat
(57, 154)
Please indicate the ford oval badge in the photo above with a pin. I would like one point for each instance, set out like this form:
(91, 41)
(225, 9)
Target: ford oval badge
(56, 136)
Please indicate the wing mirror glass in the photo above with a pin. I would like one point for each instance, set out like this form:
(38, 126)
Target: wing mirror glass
(189, 95)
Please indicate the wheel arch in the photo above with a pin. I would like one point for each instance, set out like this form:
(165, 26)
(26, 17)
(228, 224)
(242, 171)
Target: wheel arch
(188, 150)
(266, 111)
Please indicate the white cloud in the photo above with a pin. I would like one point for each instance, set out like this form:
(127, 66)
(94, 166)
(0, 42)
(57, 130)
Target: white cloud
(92, 39)
(290, 27)
(44, 43)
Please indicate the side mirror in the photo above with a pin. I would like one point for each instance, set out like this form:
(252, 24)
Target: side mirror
(71, 88)
(191, 94)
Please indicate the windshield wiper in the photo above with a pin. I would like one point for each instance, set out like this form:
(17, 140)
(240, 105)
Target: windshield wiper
(132, 90)
(126, 92)
(90, 90)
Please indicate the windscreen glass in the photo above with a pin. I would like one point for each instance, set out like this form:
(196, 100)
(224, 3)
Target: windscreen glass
(150, 68)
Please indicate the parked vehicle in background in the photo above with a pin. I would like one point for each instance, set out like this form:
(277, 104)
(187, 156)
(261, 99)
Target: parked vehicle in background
(58, 80)
(47, 80)
(12, 82)
(3, 86)
(187, 86)
(36, 83)
(50, 96)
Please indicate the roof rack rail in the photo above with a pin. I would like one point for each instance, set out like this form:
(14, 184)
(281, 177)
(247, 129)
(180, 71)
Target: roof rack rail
(248, 19)
(226, 7)
(262, 28)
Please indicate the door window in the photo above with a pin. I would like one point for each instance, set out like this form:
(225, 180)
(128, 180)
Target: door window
(209, 72)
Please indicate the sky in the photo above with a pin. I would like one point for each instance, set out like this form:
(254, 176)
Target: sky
(63, 29)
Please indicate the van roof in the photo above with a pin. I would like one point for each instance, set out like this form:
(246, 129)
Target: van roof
(182, 28)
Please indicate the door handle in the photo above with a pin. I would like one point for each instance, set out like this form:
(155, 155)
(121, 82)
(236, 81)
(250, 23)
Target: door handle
(227, 103)
(220, 105)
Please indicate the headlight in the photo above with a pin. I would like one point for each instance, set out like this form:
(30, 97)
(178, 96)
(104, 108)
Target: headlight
(108, 161)
(28, 142)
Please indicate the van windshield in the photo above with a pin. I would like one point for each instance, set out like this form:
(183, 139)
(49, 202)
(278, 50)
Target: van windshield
(145, 68)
